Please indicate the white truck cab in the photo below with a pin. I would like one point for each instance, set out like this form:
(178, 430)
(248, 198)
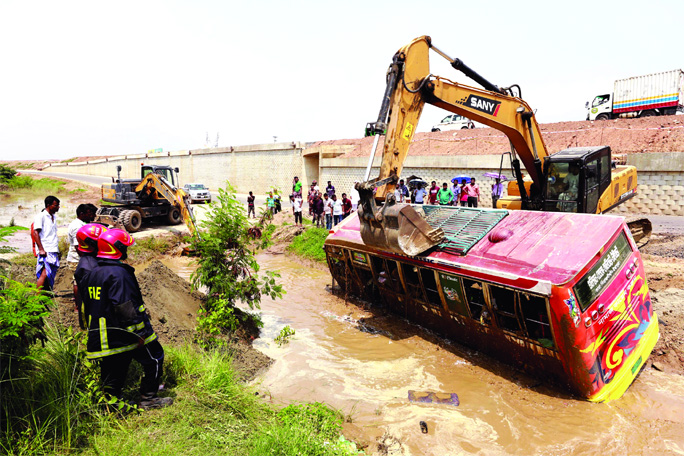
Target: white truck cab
(601, 108)
(454, 122)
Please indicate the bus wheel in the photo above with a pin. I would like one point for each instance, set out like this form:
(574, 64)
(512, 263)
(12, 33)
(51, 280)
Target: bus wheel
(602, 117)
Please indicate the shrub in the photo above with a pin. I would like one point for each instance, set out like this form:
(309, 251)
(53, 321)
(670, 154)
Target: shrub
(309, 244)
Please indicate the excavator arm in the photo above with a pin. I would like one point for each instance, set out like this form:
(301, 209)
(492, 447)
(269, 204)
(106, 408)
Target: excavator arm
(157, 185)
(411, 85)
(398, 227)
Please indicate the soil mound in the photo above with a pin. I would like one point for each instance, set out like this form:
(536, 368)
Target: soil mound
(171, 302)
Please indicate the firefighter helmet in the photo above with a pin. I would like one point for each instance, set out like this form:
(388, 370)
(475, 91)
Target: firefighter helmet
(87, 237)
(113, 244)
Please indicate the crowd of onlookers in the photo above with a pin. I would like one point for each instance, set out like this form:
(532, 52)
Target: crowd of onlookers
(327, 209)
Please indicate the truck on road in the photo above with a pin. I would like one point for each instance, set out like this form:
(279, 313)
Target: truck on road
(658, 94)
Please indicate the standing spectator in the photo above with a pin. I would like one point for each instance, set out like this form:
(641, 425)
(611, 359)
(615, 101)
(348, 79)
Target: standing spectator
(318, 209)
(310, 198)
(337, 210)
(296, 185)
(270, 203)
(330, 189)
(445, 195)
(464, 194)
(327, 204)
(497, 191)
(119, 329)
(44, 235)
(403, 191)
(278, 207)
(85, 213)
(457, 193)
(315, 185)
(354, 196)
(297, 208)
(250, 205)
(433, 193)
(419, 195)
(473, 192)
(346, 206)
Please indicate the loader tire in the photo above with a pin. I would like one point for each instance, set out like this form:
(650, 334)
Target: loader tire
(174, 217)
(131, 220)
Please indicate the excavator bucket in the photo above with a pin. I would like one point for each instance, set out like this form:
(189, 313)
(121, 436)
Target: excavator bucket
(397, 227)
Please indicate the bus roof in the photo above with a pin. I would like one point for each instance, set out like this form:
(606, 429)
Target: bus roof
(543, 246)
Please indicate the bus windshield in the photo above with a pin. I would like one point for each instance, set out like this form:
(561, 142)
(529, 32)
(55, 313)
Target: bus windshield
(602, 273)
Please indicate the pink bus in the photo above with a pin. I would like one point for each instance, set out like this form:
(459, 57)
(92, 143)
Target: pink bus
(563, 296)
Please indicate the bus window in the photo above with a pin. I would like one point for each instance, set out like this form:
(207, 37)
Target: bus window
(503, 304)
(387, 274)
(393, 271)
(412, 280)
(475, 295)
(430, 287)
(589, 287)
(536, 319)
(453, 294)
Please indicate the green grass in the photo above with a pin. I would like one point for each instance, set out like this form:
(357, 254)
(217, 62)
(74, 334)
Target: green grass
(151, 247)
(43, 184)
(309, 244)
(55, 409)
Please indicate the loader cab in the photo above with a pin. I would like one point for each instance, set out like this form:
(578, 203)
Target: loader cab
(168, 173)
(576, 178)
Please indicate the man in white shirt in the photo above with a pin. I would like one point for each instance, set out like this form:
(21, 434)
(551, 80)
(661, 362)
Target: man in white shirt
(420, 194)
(354, 196)
(297, 208)
(85, 213)
(44, 235)
(337, 210)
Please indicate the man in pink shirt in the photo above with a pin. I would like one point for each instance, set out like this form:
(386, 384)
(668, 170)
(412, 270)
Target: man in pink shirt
(473, 192)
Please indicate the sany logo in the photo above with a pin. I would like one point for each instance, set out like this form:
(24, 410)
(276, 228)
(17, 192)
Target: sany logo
(482, 104)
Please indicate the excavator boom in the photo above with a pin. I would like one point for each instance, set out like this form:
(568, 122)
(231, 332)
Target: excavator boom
(409, 86)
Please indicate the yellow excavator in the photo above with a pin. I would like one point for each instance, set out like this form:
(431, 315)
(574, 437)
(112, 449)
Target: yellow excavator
(156, 195)
(580, 179)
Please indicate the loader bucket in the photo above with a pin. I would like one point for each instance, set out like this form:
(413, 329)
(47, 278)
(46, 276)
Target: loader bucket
(397, 227)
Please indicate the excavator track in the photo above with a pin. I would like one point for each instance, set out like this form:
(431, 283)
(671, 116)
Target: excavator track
(641, 229)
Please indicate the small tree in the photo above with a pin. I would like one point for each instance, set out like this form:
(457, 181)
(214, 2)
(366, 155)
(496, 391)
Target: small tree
(227, 266)
(6, 173)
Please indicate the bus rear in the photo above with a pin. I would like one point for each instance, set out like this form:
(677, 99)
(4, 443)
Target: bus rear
(606, 324)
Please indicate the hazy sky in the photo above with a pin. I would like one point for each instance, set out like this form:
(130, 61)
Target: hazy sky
(101, 78)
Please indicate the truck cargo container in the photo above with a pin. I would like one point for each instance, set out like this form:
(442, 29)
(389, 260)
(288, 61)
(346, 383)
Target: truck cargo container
(655, 94)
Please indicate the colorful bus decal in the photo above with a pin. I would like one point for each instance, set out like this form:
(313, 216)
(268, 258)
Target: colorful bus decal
(630, 311)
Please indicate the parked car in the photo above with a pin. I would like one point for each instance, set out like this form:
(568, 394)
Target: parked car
(197, 192)
(454, 122)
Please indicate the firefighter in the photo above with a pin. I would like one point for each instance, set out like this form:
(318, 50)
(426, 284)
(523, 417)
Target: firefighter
(86, 247)
(119, 329)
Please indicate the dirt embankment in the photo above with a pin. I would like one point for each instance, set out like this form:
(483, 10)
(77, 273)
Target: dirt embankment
(664, 264)
(172, 305)
(624, 136)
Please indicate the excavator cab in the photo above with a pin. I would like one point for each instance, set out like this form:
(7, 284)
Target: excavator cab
(168, 173)
(576, 178)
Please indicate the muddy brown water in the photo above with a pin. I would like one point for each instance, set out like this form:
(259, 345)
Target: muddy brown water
(367, 370)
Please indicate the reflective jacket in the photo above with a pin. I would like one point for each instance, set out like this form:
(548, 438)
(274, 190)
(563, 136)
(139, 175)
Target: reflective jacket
(114, 310)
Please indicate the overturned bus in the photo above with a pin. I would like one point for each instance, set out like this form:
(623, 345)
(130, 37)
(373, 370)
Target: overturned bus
(562, 296)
